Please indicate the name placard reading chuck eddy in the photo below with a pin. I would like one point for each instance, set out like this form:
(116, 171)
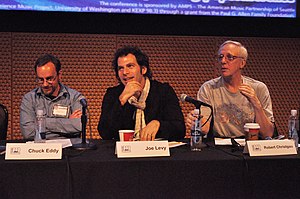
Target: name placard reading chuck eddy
(33, 151)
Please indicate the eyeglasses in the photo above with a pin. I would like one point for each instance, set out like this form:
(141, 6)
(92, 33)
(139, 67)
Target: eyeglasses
(228, 57)
(49, 80)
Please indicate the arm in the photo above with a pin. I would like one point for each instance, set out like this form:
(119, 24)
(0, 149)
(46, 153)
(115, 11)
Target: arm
(69, 125)
(63, 125)
(114, 116)
(29, 106)
(27, 117)
(171, 122)
(261, 106)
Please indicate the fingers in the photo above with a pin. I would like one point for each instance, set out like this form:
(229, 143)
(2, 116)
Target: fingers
(147, 137)
(247, 90)
(76, 114)
(131, 89)
(190, 119)
(137, 94)
(148, 133)
(134, 86)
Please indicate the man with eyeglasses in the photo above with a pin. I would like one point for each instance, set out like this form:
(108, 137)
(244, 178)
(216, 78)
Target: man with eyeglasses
(236, 99)
(60, 104)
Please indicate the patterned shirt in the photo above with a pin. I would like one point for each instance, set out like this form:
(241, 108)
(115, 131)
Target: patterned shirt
(232, 110)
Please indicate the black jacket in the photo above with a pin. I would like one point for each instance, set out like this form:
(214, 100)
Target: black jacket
(161, 104)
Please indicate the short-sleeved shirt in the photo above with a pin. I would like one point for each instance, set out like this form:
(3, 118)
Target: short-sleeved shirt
(232, 110)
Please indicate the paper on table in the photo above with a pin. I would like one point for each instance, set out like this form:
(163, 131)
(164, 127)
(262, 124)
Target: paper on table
(227, 141)
(64, 142)
(172, 144)
(175, 144)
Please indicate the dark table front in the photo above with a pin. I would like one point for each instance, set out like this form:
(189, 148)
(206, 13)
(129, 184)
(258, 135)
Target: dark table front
(215, 172)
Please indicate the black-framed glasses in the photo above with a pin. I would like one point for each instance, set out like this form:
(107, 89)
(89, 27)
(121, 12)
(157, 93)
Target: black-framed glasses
(228, 57)
(49, 80)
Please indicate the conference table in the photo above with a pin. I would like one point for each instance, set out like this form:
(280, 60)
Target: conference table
(215, 172)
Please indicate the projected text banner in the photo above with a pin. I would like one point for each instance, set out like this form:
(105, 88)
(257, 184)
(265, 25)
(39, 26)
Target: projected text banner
(244, 8)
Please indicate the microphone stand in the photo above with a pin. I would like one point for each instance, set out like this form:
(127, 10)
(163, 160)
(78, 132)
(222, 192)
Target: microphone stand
(83, 145)
(210, 139)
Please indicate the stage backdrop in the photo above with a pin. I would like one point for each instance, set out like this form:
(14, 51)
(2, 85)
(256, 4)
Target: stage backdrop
(185, 62)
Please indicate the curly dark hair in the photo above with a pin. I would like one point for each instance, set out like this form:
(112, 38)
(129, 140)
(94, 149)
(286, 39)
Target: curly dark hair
(141, 58)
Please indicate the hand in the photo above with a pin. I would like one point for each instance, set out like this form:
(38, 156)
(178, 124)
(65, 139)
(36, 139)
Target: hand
(249, 92)
(76, 114)
(190, 119)
(149, 132)
(132, 88)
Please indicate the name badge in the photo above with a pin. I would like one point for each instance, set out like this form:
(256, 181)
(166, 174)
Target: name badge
(142, 149)
(60, 110)
(33, 151)
(270, 147)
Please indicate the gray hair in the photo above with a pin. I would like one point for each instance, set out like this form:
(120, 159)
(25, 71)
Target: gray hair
(243, 50)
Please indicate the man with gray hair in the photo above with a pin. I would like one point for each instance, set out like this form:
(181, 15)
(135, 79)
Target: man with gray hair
(235, 99)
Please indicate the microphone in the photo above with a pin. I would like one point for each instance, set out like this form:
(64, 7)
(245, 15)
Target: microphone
(83, 102)
(197, 103)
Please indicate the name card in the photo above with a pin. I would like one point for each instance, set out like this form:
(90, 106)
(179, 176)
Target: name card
(33, 151)
(270, 147)
(142, 149)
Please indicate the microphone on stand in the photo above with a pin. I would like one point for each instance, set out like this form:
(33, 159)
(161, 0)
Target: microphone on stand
(83, 145)
(210, 140)
(197, 103)
(83, 103)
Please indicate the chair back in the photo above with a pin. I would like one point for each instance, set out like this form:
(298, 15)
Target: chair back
(3, 122)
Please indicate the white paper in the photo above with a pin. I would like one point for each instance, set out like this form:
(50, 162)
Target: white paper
(64, 142)
(175, 144)
(227, 141)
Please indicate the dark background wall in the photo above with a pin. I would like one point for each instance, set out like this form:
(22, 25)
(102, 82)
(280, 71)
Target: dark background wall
(181, 51)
